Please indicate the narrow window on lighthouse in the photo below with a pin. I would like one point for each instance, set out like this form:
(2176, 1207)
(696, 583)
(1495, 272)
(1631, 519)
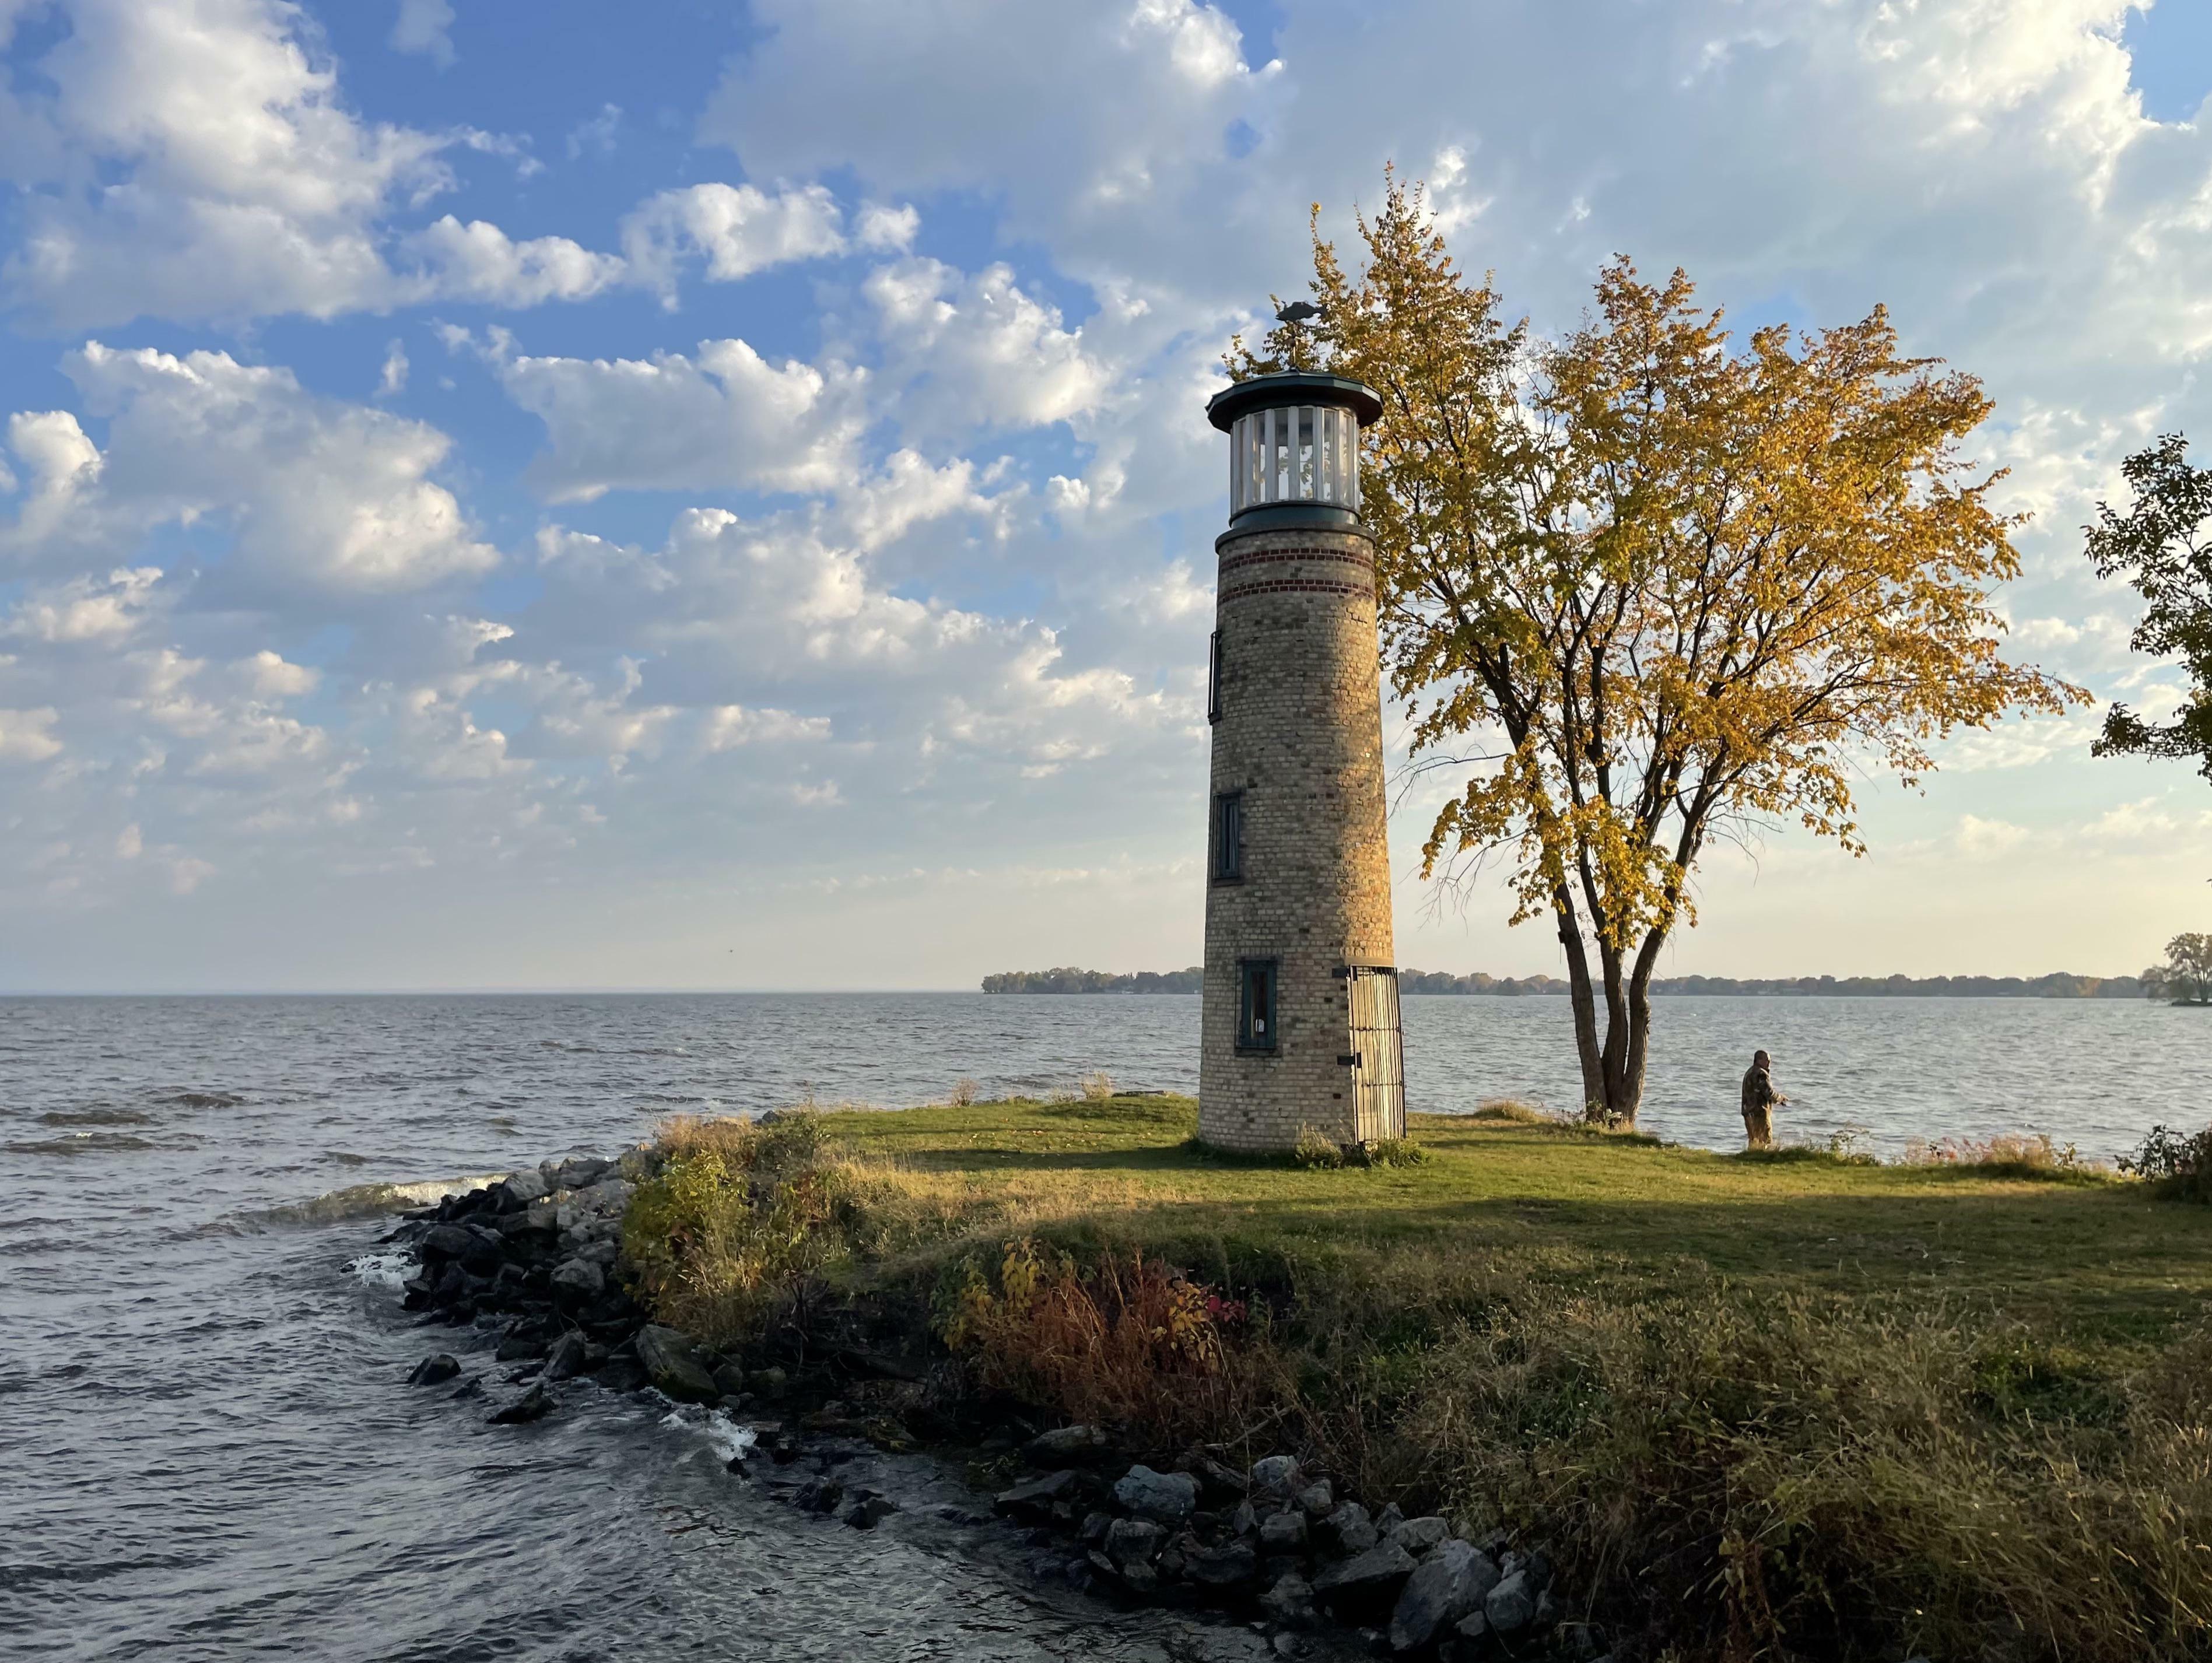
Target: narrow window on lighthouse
(1213, 679)
(1229, 835)
(1256, 1004)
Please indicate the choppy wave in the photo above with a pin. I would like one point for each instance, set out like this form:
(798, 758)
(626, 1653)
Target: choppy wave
(94, 1117)
(364, 1201)
(80, 1143)
(204, 1099)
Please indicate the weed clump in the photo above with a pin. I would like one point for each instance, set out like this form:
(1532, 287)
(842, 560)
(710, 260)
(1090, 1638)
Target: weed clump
(2012, 1153)
(1124, 1342)
(2178, 1163)
(1315, 1150)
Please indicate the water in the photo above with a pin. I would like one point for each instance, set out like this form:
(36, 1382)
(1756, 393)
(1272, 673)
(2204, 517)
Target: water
(209, 1455)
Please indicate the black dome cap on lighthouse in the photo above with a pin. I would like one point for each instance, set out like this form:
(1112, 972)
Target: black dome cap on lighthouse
(1289, 387)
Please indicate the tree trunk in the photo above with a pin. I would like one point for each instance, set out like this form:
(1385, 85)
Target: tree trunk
(1580, 995)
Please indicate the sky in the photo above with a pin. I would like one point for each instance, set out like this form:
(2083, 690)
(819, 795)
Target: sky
(708, 495)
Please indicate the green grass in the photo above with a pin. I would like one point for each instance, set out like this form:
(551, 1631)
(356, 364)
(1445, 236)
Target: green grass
(2080, 1250)
(1790, 1405)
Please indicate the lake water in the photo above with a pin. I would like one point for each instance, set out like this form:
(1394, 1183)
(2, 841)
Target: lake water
(209, 1454)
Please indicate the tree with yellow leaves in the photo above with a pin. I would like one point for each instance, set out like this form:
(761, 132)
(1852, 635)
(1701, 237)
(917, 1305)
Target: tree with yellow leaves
(1641, 588)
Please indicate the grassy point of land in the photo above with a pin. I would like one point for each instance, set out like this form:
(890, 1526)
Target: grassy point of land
(1787, 1405)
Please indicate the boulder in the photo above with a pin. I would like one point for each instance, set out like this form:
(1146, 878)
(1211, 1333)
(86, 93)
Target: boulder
(1243, 1520)
(578, 1281)
(1367, 1581)
(606, 1198)
(470, 1246)
(671, 1363)
(1347, 1531)
(527, 1185)
(438, 1366)
(1389, 1518)
(519, 1344)
(1132, 1542)
(1290, 1601)
(1319, 1499)
(1167, 1497)
(1275, 1475)
(1441, 1590)
(731, 1379)
(1283, 1531)
(534, 1404)
(1473, 1632)
(1510, 1603)
(1417, 1536)
(1066, 1445)
(1231, 1565)
(577, 1172)
(1033, 1498)
(566, 1358)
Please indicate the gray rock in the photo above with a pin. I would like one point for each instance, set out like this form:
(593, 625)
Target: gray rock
(1439, 1593)
(1244, 1522)
(1275, 1475)
(1289, 1645)
(527, 1185)
(1318, 1498)
(1168, 1497)
(1347, 1531)
(1546, 1614)
(1510, 1605)
(875, 1507)
(1283, 1531)
(638, 1164)
(1368, 1580)
(1417, 1536)
(1133, 1541)
(1065, 1446)
(1473, 1629)
(608, 1196)
(1033, 1497)
(578, 1280)
(1540, 1569)
(671, 1363)
(577, 1172)
(566, 1359)
(1290, 1601)
(435, 1370)
(730, 1379)
(1095, 1526)
(1389, 1518)
(1230, 1565)
(534, 1404)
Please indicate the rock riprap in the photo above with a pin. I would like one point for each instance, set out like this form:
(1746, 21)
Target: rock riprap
(532, 1264)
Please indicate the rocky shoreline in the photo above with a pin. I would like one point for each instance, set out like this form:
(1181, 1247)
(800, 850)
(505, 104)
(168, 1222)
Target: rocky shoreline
(530, 1266)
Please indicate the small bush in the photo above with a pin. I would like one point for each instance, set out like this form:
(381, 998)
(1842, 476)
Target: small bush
(964, 1092)
(2180, 1163)
(1097, 1086)
(1317, 1149)
(1396, 1152)
(741, 1217)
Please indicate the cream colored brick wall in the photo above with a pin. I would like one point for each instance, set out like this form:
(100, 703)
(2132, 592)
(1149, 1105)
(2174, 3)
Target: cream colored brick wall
(1301, 736)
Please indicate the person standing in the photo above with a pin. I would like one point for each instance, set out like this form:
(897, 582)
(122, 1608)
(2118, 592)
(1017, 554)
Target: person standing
(1758, 1097)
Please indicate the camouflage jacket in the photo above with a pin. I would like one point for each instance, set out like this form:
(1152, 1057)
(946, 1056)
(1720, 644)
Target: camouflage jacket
(1759, 1091)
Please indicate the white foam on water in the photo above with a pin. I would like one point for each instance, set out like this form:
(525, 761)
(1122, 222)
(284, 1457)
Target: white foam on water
(729, 1441)
(382, 1270)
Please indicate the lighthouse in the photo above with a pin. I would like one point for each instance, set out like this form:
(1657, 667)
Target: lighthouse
(1300, 1027)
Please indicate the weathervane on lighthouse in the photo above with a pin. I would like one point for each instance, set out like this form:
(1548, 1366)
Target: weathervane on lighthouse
(1300, 1029)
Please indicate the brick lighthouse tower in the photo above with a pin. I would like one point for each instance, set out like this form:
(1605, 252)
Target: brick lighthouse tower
(1300, 1027)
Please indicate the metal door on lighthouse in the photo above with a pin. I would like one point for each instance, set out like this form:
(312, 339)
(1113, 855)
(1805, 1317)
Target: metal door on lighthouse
(1377, 1054)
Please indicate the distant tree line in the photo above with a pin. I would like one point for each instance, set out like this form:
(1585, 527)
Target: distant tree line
(2056, 986)
(1069, 979)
